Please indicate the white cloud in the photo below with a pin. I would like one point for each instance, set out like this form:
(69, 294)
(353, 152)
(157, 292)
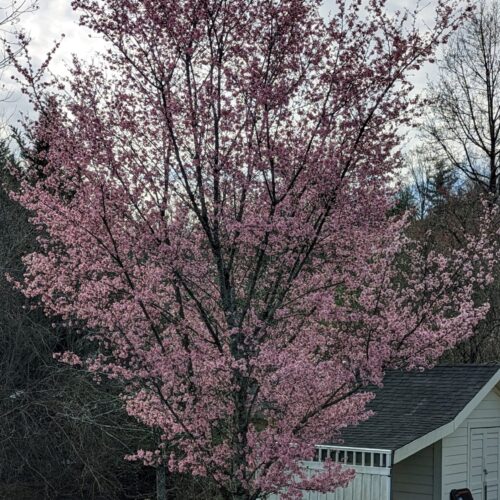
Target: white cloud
(56, 17)
(45, 27)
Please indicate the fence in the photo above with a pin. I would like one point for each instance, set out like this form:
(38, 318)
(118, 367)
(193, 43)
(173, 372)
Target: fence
(372, 467)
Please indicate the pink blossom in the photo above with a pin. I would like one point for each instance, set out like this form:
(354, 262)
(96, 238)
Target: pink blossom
(212, 205)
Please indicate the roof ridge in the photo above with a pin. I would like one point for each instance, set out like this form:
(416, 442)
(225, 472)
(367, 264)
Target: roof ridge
(446, 365)
(463, 365)
(410, 404)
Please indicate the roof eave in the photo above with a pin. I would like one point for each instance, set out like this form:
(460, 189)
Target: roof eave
(437, 434)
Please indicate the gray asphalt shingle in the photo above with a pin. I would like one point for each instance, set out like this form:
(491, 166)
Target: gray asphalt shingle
(412, 404)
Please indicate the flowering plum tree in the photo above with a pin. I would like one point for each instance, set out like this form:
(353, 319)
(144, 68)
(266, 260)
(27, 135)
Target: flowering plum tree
(212, 199)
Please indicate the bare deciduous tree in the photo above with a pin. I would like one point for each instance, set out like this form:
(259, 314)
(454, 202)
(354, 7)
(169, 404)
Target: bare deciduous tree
(462, 135)
(464, 118)
(10, 13)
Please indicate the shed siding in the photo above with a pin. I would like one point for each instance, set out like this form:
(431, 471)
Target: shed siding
(455, 447)
(413, 478)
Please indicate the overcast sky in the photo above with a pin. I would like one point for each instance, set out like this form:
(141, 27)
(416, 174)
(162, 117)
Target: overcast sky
(55, 17)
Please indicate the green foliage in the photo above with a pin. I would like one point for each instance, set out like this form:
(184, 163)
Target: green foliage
(405, 201)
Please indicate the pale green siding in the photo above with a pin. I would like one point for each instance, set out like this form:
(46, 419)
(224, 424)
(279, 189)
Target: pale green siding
(413, 478)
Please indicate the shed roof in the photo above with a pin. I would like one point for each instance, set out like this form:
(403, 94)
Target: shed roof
(413, 404)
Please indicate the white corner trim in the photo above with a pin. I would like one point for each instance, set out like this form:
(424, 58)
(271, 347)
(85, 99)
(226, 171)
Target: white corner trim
(441, 432)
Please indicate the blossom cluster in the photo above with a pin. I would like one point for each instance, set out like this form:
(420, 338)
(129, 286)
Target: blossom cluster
(213, 198)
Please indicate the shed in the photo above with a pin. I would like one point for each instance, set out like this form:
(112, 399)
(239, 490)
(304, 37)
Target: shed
(433, 431)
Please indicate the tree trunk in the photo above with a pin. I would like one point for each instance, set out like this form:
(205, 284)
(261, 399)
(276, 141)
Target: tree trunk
(161, 483)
